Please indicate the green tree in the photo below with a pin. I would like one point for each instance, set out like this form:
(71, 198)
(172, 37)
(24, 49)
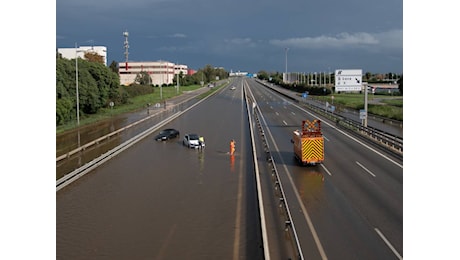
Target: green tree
(181, 79)
(114, 67)
(209, 73)
(97, 86)
(143, 78)
(263, 75)
(368, 76)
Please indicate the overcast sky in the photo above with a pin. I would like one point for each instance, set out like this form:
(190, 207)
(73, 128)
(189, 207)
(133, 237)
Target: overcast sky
(246, 35)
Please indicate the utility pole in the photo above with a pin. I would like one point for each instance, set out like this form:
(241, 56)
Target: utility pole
(286, 70)
(126, 45)
(76, 84)
(365, 104)
(177, 82)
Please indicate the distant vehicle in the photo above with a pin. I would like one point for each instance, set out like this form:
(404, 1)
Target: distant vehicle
(167, 134)
(191, 141)
(232, 88)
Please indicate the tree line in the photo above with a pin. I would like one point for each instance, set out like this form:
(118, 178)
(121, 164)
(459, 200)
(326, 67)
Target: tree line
(98, 85)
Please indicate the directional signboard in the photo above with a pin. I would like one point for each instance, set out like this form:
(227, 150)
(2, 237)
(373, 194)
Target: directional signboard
(348, 80)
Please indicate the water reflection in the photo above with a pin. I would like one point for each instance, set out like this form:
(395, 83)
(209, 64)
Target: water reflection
(232, 163)
(201, 165)
(79, 153)
(310, 184)
(70, 140)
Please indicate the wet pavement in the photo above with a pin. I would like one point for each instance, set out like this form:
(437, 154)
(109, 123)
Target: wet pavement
(75, 139)
(392, 127)
(163, 200)
(137, 122)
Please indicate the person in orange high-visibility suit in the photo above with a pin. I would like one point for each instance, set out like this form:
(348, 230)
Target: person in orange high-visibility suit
(232, 147)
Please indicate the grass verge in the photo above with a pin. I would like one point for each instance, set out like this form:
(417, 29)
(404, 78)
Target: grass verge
(381, 105)
(134, 104)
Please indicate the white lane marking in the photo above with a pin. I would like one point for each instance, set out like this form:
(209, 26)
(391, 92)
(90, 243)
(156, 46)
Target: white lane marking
(166, 242)
(259, 191)
(277, 113)
(388, 243)
(360, 165)
(284, 122)
(239, 203)
(325, 138)
(324, 167)
(319, 246)
(352, 138)
(292, 112)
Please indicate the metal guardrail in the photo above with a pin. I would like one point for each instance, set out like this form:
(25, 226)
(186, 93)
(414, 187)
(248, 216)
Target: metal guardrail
(379, 137)
(261, 209)
(163, 114)
(164, 117)
(69, 178)
(279, 191)
(382, 138)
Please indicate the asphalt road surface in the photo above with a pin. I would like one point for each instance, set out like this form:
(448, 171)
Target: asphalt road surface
(351, 206)
(161, 200)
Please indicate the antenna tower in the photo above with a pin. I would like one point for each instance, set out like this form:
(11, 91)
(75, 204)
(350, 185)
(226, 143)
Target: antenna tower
(126, 45)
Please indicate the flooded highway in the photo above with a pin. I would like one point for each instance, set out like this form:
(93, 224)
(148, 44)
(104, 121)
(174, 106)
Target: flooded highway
(162, 200)
(128, 125)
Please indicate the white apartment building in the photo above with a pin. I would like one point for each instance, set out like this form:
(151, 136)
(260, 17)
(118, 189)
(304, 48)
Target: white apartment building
(160, 72)
(181, 68)
(71, 53)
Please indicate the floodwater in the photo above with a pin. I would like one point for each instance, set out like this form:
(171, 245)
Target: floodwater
(136, 122)
(162, 200)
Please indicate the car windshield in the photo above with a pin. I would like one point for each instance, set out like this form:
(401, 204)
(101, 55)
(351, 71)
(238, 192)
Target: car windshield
(193, 137)
(167, 131)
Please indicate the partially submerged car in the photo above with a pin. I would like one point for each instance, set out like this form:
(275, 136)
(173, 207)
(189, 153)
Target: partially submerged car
(167, 134)
(191, 141)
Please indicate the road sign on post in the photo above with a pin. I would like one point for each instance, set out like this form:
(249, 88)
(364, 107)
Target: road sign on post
(111, 104)
(362, 114)
(348, 80)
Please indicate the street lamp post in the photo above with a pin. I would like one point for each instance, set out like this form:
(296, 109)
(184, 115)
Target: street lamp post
(76, 83)
(163, 80)
(177, 83)
(286, 51)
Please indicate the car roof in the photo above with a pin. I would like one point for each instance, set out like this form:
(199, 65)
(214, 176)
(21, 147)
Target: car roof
(193, 136)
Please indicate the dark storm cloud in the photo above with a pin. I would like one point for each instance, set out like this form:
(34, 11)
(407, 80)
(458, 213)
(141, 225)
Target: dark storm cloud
(241, 35)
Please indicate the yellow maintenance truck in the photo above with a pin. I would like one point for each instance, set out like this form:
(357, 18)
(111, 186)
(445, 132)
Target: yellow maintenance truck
(309, 143)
